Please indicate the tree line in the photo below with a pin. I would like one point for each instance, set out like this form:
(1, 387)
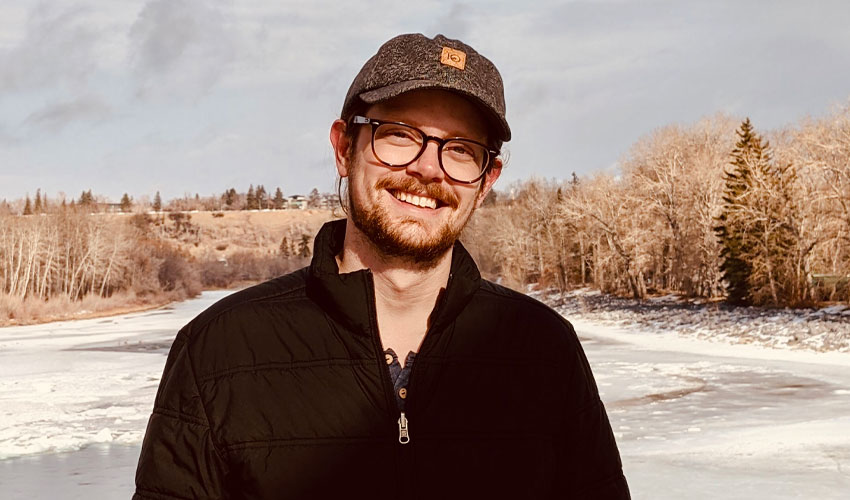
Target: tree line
(255, 198)
(710, 210)
(70, 255)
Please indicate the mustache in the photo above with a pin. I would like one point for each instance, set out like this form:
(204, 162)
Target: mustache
(439, 192)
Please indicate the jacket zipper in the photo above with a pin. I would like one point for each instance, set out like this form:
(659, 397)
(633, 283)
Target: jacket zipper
(389, 390)
(403, 423)
(403, 433)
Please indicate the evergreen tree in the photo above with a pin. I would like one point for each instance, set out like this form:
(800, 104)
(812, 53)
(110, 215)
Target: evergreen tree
(229, 198)
(157, 202)
(261, 196)
(28, 206)
(278, 200)
(304, 246)
(126, 203)
(86, 198)
(755, 237)
(735, 268)
(284, 247)
(250, 198)
(38, 207)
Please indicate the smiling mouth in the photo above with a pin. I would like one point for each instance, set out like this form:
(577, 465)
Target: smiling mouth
(416, 199)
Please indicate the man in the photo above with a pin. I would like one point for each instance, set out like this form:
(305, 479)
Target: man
(294, 389)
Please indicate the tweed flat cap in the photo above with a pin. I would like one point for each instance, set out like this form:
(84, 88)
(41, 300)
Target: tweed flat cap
(414, 61)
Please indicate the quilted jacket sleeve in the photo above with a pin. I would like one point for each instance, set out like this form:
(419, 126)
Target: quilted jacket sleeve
(589, 459)
(179, 458)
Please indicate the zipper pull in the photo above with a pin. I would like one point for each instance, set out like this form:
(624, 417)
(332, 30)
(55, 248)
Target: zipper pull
(403, 434)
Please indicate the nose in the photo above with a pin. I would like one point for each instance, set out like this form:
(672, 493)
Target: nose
(427, 167)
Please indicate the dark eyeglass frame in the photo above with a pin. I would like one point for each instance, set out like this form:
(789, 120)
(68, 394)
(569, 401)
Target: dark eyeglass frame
(491, 153)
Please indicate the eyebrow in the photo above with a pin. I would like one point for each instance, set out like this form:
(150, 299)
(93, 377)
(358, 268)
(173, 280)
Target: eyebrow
(453, 133)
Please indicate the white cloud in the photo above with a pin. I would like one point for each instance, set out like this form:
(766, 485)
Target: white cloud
(57, 48)
(181, 46)
(56, 116)
(454, 23)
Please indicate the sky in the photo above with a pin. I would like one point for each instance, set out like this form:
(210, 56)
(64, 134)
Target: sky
(197, 96)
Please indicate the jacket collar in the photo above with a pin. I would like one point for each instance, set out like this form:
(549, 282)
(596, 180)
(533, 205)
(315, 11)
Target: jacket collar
(350, 298)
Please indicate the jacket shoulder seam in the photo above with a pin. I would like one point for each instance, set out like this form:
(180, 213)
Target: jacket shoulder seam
(286, 365)
(615, 478)
(176, 415)
(525, 299)
(215, 446)
(157, 495)
(587, 406)
(230, 307)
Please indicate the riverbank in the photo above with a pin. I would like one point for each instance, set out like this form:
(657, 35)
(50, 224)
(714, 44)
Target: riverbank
(825, 329)
(38, 312)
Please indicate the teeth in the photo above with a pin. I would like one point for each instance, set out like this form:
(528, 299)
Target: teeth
(419, 201)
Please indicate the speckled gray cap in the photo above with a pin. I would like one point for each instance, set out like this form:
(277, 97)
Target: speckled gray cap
(414, 61)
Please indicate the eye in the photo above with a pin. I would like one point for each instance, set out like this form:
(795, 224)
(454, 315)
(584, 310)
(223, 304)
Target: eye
(462, 150)
(397, 134)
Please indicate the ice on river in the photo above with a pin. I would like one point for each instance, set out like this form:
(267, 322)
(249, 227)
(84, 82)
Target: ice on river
(69, 384)
(693, 419)
(698, 419)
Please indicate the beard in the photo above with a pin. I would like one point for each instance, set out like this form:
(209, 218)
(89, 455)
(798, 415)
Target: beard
(407, 239)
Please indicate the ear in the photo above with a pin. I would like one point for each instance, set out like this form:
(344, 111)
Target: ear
(341, 145)
(489, 179)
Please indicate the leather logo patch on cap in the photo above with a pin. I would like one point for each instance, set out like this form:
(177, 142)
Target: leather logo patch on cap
(453, 58)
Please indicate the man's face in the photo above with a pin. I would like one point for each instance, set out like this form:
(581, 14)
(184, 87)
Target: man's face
(381, 198)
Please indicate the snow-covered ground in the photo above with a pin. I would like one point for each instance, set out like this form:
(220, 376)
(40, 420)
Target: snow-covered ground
(706, 420)
(825, 329)
(694, 419)
(69, 384)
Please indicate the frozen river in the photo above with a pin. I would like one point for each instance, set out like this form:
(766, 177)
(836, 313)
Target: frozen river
(706, 426)
(693, 420)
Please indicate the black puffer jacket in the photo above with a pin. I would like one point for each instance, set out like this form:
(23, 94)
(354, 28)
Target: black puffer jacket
(282, 391)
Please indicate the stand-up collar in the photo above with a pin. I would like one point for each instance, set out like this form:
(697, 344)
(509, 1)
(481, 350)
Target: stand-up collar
(350, 297)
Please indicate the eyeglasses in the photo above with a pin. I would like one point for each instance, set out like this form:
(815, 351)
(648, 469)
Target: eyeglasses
(397, 144)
